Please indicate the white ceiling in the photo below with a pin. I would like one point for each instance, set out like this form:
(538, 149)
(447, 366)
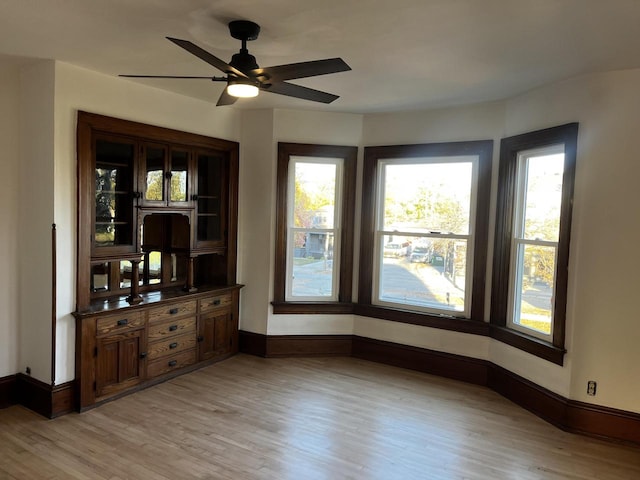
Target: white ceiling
(405, 54)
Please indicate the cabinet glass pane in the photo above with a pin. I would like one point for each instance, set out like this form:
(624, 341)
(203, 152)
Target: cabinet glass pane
(208, 228)
(125, 274)
(100, 277)
(154, 274)
(114, 199)
(179, 168)
(154, 174)
(210, 207)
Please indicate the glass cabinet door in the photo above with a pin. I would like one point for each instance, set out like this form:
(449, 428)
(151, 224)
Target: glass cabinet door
(211, 204)
(114, 187)
(164, 176)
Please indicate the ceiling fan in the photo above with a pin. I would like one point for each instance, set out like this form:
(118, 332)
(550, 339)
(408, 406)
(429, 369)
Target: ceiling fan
(245, 78)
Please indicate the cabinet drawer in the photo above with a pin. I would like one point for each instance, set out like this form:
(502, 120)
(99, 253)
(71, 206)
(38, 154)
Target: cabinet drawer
(171, 346)
(211, 303)
(174, 362)
(171, 328)
(118, 323)
(174, 310)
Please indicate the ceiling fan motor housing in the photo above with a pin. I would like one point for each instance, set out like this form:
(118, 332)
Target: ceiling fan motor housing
(244, 61)
(244, 30)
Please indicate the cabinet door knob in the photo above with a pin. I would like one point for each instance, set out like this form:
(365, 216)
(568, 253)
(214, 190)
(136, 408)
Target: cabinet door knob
(123, 322)
(173, 345)
(200, 338)
(143, 355)
(194, 197)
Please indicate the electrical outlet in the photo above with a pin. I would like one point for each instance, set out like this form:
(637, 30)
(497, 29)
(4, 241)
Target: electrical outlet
(28, 370)
(591, 388)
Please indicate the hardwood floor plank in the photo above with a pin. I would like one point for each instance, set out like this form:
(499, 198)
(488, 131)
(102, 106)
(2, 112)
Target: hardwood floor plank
(305, 418)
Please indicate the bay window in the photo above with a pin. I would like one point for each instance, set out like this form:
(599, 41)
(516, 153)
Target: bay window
(529, 289)
(424, 232)
(314, 228)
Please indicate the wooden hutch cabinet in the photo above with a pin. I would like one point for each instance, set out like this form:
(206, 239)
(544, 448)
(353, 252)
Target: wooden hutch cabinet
(156, 281)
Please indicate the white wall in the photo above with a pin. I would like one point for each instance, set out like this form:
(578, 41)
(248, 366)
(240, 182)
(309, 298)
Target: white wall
(602, 315)
(317, 128)
(9, 201)
(602, 326)
(80, 89)
(475, 122)
(255, 222)
(36, 216)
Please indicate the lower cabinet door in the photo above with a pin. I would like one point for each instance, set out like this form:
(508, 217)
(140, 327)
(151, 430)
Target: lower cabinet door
(215, 335)
(119, 362)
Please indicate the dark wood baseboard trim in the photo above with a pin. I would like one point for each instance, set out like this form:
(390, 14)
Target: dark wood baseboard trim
(44, 399)
(569, 415)
(605, 422)
(295, 345)
(8, 391)
(457, 367)
(308, 345)
(253, 343)
(538, 400)
(63, 399)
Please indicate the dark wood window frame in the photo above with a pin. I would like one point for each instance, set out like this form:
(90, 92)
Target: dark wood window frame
(509, 150)
(349, 156)
(475, 324)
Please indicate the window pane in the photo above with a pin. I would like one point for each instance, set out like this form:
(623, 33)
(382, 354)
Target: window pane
(314, 195)
(543, 197)
(425, 272)
(535, 271)
(428, 197)
(312, 264)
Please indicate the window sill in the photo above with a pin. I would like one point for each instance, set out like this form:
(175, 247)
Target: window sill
(443, 322)
(529, 344)
(312, 308)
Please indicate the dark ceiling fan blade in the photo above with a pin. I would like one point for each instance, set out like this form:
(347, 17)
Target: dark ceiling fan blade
(207, 57)
(225, 99)
(302, 69)
(213, 79)
(298, 91)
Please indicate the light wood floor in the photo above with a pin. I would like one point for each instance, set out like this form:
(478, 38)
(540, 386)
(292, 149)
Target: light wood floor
(304, 419)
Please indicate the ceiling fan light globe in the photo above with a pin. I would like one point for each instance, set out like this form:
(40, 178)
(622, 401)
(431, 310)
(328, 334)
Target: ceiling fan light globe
(242, 90)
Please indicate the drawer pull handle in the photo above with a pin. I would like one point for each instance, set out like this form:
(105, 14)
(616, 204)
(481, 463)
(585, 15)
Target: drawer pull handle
(216, 301)
(173, 345)
(123, 322)
(173, 328)
(200, 338)
(173, 363)
(173, 311)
